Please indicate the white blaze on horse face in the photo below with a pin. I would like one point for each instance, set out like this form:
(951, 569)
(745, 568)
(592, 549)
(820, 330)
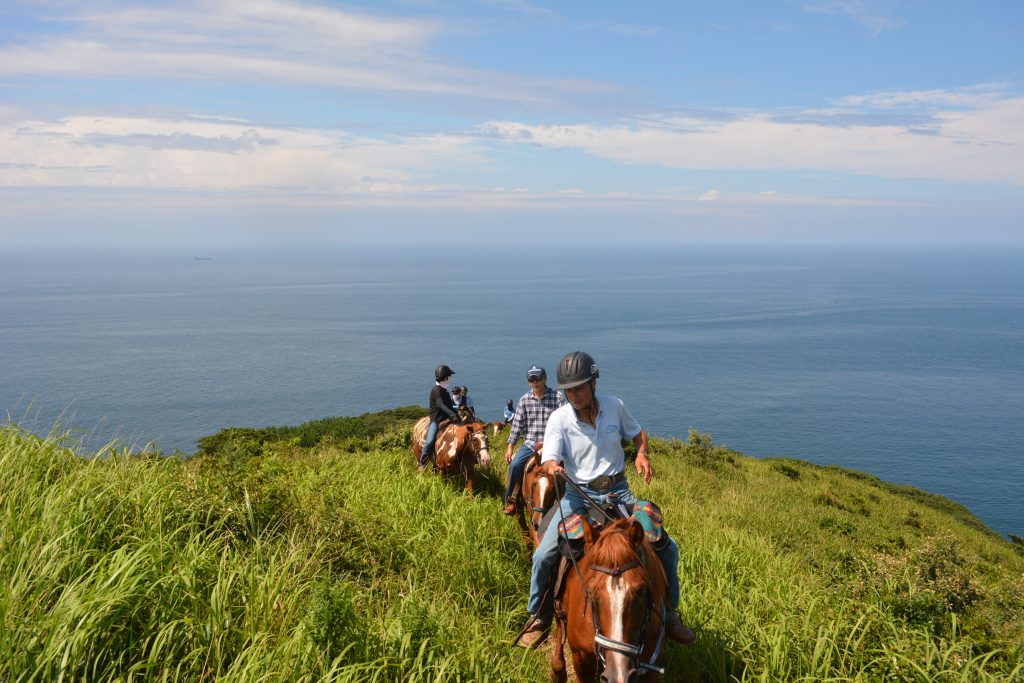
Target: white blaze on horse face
(543, 486)
(618, 606)
(540, 496)
(480, 441)
(617, 664)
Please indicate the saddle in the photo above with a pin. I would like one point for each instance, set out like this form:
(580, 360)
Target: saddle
(571, 543)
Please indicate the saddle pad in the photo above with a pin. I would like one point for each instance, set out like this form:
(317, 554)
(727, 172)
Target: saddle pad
(571, 527)
(649, 516)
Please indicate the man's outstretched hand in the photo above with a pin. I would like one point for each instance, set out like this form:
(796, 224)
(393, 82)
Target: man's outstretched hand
(644, 467)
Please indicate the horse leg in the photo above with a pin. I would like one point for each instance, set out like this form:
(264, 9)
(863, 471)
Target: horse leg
(521, 518)
(467, 472)
(558, 673)
(585, 665)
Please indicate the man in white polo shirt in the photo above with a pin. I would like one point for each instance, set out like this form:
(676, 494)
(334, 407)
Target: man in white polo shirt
(583, 440)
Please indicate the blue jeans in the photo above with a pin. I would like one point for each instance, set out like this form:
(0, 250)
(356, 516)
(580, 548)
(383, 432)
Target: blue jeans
(516, 469)
(545, 559)
(428, 443)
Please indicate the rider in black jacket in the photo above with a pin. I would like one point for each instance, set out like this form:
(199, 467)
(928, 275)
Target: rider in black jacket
(441, 408)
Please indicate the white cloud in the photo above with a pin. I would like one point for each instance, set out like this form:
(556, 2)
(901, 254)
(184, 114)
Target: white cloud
(121, 152)
(984, 95)
(981, 144)
(869, 14)
(265, 41)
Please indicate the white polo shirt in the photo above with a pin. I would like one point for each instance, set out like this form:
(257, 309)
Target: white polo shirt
(586, 452)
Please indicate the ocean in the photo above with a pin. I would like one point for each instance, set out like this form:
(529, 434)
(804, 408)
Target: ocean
(905, 362)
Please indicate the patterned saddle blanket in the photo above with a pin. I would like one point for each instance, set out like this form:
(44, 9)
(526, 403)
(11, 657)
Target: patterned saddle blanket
(571, 528)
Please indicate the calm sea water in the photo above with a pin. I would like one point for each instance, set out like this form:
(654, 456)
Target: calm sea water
(908, 364)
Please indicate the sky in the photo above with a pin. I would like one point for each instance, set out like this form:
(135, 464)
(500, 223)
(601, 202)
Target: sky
(226, 122)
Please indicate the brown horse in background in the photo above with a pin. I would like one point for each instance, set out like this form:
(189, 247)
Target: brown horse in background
(456, 449)
(613, 609)
(537, 495)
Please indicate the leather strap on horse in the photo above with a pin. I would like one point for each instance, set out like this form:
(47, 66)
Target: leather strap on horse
(615, 572)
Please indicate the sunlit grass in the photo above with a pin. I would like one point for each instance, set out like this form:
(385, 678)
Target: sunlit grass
(266, 560)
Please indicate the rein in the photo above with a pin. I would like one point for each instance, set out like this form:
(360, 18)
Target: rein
(601, 642)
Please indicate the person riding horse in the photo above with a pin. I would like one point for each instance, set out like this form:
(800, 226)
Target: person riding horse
(528, 423)
(583, 442)
(441, 409)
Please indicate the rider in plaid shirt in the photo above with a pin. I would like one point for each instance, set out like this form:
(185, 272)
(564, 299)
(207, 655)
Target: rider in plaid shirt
(528, 422)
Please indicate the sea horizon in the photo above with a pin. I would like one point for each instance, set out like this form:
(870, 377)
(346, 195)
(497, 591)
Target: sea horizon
(903, 362)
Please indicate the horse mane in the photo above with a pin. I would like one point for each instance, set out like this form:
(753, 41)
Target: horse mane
(613, 549)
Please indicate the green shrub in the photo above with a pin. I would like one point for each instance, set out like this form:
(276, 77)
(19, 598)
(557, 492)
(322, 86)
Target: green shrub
(786, 469)
(702, 451)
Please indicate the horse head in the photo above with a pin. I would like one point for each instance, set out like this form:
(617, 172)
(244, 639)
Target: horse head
(625, 587)
(475, 438)
(539, 492)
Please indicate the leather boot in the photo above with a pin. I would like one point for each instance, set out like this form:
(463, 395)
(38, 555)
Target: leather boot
(676, 630)
(535, 634)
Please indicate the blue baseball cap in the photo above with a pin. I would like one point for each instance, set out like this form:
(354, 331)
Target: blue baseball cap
(535, 371)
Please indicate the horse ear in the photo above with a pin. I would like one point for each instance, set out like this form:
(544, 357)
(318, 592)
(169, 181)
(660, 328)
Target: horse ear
(635, 533)
(589, 535)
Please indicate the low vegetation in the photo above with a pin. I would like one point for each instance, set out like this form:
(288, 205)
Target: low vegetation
(316, 553)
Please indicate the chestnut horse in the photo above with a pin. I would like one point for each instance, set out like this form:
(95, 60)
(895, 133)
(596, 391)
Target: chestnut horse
(613, 609)
(536, 496)
(456, 448)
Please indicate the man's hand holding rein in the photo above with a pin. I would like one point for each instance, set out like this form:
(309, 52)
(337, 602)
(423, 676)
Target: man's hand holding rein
(553, 468)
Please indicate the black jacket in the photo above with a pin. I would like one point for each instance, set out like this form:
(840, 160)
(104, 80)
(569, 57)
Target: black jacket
(441, 405)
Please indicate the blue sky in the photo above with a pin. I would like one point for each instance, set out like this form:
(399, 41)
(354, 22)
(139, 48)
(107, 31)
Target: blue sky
(250, 121)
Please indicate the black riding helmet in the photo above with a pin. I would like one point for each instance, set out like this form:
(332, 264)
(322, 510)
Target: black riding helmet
(443, 372)
(575, 369)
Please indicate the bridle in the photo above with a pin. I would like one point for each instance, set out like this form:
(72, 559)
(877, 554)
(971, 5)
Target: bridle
(538, 510)
(634, 652)
(471, 436)
(603, 643)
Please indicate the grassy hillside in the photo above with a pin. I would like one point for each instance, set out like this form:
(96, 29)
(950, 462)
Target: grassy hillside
(316, 553)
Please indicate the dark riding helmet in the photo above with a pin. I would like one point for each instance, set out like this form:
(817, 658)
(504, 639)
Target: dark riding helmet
(443, 372)
(575, 369)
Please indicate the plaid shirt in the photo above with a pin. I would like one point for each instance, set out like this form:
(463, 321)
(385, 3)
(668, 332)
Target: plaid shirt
(532, 416)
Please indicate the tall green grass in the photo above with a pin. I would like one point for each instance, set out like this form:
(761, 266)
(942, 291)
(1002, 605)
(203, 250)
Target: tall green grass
(314, 555)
